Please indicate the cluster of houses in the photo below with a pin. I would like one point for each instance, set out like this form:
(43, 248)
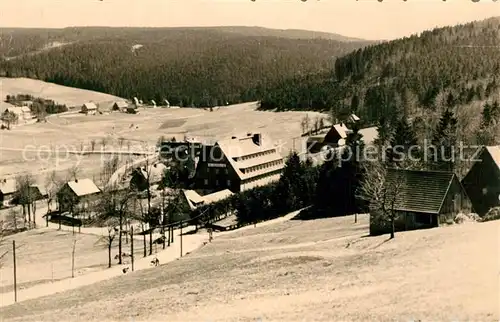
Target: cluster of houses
(242, 162)
(23, 111)
(428, 199)
(91, 108)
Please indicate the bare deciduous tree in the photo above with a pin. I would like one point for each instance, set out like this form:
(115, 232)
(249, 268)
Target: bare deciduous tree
(121, 140)
(381, 193)
(26, 196)
(109, 239)
(115, 202)
(73, 172)
(104, 142)
(13, 218)
(51, 184)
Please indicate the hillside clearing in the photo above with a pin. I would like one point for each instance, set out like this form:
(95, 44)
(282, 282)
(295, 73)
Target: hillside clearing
(68, 96)
(319, 269)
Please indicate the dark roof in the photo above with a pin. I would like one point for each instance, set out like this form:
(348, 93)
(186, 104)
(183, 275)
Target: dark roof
(419, 191)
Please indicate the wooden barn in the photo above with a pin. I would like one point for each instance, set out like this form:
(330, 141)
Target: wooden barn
(89, 108)
(482, 182)
(422, 199)
(81, 192)
(238, 164)
(120, 106)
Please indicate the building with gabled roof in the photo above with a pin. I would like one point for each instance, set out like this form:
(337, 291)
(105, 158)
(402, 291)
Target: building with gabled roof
(8, 188)
(120, 106)
(89, 108)
(239, 163)
(422, 199)
(194, 200)
(81, 192)
(482, 182)
(141, 176)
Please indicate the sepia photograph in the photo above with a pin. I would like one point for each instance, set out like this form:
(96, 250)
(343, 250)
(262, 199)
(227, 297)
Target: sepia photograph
(249, 160)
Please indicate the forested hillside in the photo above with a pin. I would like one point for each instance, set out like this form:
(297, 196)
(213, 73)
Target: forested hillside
(419, 75)
(187, 66)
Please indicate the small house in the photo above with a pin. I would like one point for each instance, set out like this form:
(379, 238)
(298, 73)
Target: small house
(35, 193)
(81, 192)
(422, 199)
(337, 135)
(120, 106)
(8, 189)
(89, 108)
(132, 109)
(142, 176)
(482, 182)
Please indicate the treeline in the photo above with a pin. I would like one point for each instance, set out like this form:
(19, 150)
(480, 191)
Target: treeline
(188, 67)
(438, 69)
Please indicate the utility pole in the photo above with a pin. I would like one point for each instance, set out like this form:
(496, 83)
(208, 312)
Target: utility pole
(15, 273)
(73, 260)
(181, 238)
(132, 246)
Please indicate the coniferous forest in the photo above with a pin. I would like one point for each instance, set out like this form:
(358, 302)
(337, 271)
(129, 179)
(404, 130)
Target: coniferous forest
(416, 77)
(187, 66)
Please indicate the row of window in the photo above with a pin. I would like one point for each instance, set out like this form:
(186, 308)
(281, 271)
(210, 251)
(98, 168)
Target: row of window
(217, 170)
(218, 182)
(261, 176)
(255, 155)
(262, 166)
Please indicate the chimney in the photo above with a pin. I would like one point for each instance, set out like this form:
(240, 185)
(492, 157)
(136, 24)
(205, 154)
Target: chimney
(257, 139)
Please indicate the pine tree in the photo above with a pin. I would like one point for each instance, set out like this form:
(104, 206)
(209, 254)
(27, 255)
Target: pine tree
(444, 141)
(486, 115)
(403, 140)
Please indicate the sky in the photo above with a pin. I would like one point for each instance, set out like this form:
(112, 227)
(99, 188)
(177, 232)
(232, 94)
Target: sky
(367, 19)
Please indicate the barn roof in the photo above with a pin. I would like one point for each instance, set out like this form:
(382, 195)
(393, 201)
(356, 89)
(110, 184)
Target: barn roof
(341, 129)
(419, 191)
(8, 186)
(494, 151)
(369, 134)
(194, 199)
(155, 172)
(90, 106)
(121, 104)
(83, 187)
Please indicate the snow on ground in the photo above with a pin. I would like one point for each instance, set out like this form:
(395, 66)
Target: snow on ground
(292, 270)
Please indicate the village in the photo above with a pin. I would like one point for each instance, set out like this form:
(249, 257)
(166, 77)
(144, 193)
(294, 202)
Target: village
(186, 182)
